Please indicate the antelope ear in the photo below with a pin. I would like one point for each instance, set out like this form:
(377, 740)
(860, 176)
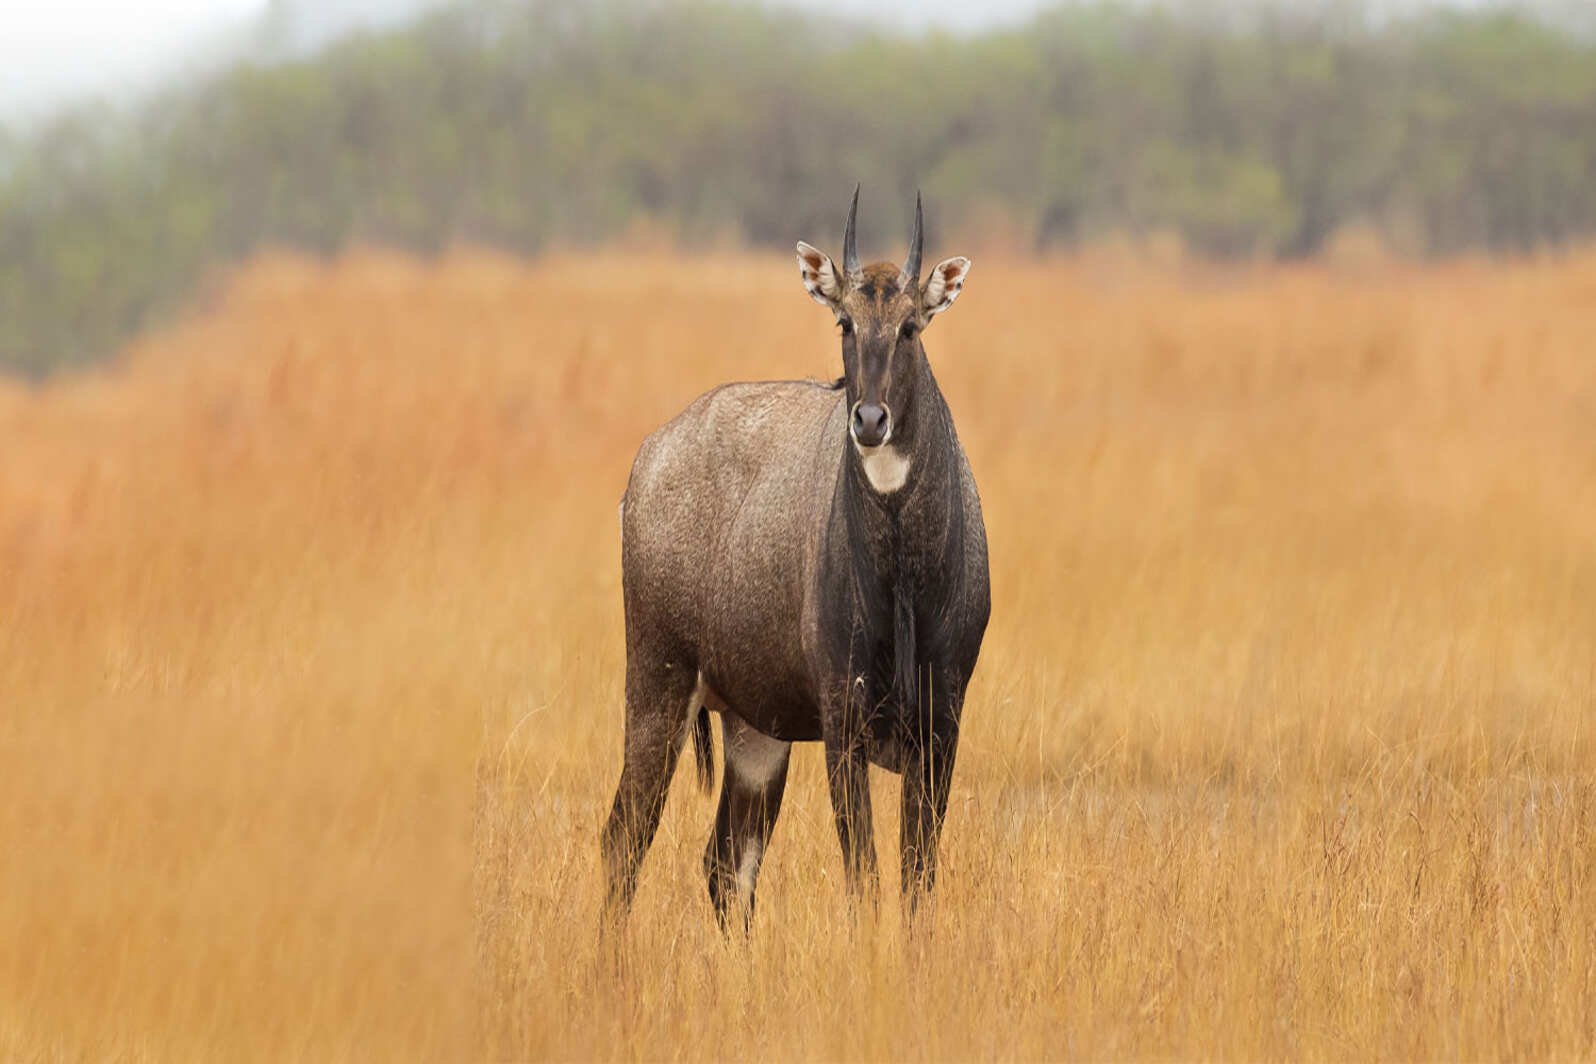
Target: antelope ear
(819, 275)
(944, 284)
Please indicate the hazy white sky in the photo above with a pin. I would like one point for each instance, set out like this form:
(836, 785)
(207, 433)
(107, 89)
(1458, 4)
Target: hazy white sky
(51, 49)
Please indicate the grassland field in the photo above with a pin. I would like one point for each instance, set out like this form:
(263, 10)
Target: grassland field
(1280, 745)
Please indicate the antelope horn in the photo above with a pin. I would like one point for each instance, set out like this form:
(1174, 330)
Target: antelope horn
(911, 265)
(850, 250)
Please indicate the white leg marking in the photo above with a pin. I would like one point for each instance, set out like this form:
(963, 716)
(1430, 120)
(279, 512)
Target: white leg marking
(885, 467)
(748, 868)
(757, 760)
(755, 757)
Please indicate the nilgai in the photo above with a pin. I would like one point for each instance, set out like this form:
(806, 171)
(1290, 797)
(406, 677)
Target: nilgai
(807, 560)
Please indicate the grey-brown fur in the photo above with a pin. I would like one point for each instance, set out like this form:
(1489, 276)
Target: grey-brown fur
(759, 557)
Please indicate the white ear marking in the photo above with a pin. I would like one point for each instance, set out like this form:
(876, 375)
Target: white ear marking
(945, 284)
(819, 275)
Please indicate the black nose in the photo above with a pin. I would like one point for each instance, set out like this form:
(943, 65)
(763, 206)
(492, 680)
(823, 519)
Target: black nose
(870, 423)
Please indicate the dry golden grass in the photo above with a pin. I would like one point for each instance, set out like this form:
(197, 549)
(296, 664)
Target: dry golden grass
(1278, 747)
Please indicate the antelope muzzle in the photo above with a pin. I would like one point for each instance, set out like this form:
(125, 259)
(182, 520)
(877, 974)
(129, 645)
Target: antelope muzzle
(871, 425)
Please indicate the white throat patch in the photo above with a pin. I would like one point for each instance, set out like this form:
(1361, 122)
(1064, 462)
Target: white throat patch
(885, 467)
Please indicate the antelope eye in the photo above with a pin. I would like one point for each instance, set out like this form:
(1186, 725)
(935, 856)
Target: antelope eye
(909, 330)
(845, 325)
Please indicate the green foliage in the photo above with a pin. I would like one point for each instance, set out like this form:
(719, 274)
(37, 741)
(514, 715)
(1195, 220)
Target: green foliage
(526, 124)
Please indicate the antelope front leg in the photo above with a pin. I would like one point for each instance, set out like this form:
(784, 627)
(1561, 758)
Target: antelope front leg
(848, 773)
(927, 779)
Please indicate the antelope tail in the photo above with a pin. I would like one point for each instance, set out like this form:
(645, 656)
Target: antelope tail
(703, 750)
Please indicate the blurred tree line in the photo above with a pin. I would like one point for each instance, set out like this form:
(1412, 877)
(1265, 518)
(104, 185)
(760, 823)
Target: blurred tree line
(536, 122)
